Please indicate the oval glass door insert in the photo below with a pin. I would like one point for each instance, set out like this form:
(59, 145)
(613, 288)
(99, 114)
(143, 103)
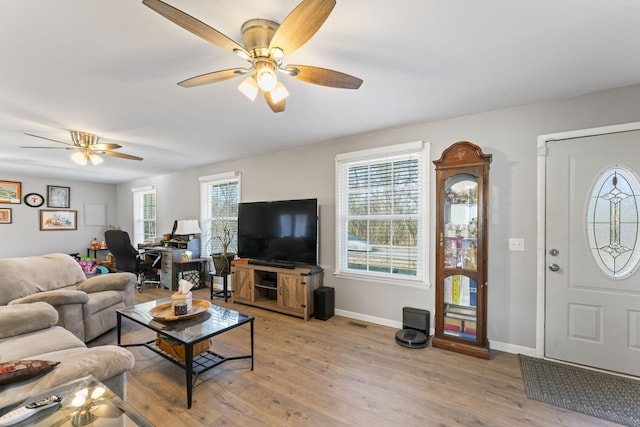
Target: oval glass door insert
(613, 217)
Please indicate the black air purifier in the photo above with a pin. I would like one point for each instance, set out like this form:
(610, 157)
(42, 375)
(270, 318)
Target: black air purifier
(323, 302)
(415, 332)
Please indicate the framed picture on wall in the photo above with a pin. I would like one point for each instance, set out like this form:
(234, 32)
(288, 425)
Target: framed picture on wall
(52, 220)
(10, 192)
(5, 215)
(58, 197)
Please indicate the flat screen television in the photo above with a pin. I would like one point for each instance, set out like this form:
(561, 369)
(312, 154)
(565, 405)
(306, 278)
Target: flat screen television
(279, 231)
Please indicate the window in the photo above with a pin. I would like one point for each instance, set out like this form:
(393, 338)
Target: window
(144, 214)
(220, 195)
(381, 224)
(613, 222)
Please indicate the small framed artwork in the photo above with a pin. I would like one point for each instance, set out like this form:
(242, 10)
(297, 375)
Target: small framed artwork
(52, 220)
(58, 197)
(10, 192)
(5, 215)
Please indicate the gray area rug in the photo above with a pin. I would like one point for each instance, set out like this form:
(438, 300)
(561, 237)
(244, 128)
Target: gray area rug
(606, 396)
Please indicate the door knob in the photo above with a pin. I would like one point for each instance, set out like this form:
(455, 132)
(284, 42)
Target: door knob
(554, 267)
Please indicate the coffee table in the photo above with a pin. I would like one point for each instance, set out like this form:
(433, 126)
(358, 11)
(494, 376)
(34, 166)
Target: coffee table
(85, 401)
(187, 332)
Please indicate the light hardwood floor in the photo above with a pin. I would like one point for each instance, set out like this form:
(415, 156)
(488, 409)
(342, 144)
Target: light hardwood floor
(338, 372)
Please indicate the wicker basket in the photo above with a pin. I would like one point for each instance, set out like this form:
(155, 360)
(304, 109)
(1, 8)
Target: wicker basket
(174, 349)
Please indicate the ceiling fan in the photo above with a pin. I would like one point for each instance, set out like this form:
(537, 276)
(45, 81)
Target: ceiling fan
(265, 44)
(87, 148)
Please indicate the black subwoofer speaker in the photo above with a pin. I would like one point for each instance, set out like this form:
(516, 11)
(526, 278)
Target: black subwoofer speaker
(323, 302)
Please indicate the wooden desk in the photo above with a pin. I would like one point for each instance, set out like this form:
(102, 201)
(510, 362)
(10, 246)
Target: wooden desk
(171, 255)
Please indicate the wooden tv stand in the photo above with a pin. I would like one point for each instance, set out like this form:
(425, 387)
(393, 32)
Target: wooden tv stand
(288, 291)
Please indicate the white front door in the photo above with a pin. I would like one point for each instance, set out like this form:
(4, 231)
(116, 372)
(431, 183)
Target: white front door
(592, 318)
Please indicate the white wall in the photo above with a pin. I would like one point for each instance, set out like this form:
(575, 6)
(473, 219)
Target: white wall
(23, 236)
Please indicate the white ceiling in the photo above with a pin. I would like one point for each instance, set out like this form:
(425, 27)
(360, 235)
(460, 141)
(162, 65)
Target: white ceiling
(110, 67)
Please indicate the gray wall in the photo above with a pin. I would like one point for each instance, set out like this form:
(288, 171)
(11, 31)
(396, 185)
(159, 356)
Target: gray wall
(23, 236)
(510, 135)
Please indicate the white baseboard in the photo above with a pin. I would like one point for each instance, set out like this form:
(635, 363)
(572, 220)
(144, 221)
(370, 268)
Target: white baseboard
(370, 319)
(512, 348)
(495, 345)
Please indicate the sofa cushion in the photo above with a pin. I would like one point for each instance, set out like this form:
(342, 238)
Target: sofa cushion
(20, 319)
(103, 362)
(100, 301)
(33, 345)
(18, 370)
(21, 277)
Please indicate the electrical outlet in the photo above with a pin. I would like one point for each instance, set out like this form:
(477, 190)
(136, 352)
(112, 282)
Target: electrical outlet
(516, 244)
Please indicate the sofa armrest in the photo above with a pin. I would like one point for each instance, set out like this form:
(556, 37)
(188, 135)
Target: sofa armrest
(22, 318)
(55, 298)
(108, 282)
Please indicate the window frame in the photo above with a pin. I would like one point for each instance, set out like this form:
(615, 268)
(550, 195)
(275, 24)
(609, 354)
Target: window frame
(139, 210)
(417, 150)
(206, 182)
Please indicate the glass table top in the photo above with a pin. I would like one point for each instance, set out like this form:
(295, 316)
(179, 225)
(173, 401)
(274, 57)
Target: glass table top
(85, 402)
(213, 321)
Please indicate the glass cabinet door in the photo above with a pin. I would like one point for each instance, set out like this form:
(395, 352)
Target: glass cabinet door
(460, 253)
(461, 222)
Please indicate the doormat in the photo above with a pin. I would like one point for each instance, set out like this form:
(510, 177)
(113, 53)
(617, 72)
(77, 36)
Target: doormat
(606, 396)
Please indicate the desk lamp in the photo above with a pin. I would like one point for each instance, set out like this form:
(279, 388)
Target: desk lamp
(187, 227)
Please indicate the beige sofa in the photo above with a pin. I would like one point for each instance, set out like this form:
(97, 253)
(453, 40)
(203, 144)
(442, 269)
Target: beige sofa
(86, 307)
(29, 331)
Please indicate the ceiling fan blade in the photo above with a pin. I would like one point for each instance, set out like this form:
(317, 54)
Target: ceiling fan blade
(301, 24)
(54, 148)
(276, 107)
(121, 155)
(48, 139)
(102, 146)
(194, 26)
(323, 76)
(216, 76)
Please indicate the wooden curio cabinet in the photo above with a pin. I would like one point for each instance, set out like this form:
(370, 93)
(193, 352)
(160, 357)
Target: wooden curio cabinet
(462, 185)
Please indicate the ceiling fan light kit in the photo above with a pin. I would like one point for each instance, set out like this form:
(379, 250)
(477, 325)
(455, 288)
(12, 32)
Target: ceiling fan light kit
(265, 45)
(81, 158)
(249, 87)
(87, 148)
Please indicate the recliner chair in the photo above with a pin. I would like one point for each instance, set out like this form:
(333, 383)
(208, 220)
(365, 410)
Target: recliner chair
(129, 259)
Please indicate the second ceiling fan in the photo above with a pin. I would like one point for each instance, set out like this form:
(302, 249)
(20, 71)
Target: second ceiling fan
(265, 44)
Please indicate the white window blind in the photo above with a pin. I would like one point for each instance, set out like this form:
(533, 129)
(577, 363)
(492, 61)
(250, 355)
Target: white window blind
(220, 195)
(380, 196)
(144, 214)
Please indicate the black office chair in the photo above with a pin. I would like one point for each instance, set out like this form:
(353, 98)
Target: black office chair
(128, 259)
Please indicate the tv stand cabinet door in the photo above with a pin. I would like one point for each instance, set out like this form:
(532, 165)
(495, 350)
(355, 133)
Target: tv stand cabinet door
(242, 284)
(292, 292)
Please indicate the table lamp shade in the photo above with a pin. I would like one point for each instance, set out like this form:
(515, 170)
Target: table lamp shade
(187, 226)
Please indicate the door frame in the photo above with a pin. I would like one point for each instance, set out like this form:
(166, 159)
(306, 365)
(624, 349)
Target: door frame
(541, 214)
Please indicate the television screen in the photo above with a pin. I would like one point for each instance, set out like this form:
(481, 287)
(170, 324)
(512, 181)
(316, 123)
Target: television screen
(282, 231)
